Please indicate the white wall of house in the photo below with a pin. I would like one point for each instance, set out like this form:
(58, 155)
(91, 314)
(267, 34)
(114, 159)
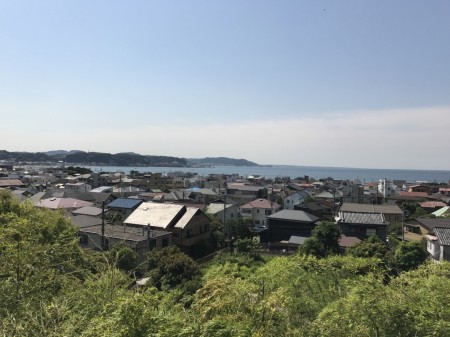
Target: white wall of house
(258, 215)
(78, 187)
(231, 213)
(387, 188)
(434, 249)
(292, 200)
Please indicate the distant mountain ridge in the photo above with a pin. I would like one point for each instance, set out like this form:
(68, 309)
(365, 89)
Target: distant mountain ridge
(61, 152)
(118, 159)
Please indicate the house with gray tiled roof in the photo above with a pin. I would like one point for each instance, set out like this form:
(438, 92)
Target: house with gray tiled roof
(362, 225)
(391, 213)
(285, 223)
(88, 210)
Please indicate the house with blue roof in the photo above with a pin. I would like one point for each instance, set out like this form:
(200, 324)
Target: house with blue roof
(121, 208)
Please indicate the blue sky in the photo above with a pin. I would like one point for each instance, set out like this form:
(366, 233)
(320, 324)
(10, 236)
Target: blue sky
(326, 83)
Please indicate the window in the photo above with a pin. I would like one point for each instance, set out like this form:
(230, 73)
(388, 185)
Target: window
(165, 242)
(268, 212)
(371, 232)
(84, 239)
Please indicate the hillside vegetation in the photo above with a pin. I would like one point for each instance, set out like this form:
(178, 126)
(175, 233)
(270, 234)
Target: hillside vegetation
(50, 287)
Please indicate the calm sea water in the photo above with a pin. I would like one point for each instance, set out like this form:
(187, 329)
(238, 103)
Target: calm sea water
(365, 175)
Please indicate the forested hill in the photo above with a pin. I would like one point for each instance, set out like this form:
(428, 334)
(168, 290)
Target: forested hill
(92, 158)
(118, 159)
(124, 159)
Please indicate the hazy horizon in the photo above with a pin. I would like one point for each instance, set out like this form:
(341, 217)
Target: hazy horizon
(322, 83)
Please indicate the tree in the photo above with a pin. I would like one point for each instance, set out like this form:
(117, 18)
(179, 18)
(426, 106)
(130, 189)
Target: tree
(419, 213)
(409, 255)
(170, 267)
(39, 257)
(371, 247)
(324, 240)
(238, 228)
(123, 257)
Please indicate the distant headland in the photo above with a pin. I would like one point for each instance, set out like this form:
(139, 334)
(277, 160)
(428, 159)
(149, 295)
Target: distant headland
(118, 159)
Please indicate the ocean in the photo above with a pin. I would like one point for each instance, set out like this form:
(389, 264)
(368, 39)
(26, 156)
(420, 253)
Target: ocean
(364, 175)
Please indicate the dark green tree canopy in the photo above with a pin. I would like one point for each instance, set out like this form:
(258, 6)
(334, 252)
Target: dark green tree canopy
(324, 240)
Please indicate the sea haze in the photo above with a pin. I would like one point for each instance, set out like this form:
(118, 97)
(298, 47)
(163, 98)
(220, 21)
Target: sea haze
(364, 175)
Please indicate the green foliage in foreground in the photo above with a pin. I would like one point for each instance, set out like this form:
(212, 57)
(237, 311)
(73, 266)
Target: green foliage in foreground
(49, 287)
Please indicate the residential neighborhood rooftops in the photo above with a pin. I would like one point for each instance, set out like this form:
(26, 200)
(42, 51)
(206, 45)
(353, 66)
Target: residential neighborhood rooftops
(125, 233)
(348, 241)
(244, 187)
(297, 240)
(155, 214)
(432, 204)
(370, 208)
(442, 211)
(81, 221)
(88, 210)
(190, 213)
(11, 183)
(215, 208)
(102, 189)
(293, 215)
(431, 223)
(361, 218)
(261, 203)
(55, 203)
(443, 235)
(125, 203)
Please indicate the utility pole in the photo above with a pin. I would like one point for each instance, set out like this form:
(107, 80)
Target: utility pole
(148, 236)
(403, 229)
(225, 230)
(103, 225)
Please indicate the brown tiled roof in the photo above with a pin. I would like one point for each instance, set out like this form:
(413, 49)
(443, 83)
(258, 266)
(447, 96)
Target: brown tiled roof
(348, 241)
(10, 183)
(432, 204)
(414, 194)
